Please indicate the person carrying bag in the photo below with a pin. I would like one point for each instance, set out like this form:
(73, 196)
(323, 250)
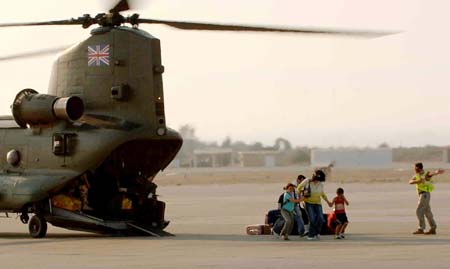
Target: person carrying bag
(312, 190)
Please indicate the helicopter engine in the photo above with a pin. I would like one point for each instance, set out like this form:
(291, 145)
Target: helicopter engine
(30, 108)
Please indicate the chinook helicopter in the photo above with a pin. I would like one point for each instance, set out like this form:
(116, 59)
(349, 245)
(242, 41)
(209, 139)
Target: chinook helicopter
(83, 155)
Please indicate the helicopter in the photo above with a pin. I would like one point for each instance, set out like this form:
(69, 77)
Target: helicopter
(83, 155)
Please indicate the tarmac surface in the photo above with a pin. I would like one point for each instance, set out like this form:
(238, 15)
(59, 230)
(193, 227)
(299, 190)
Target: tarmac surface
(209, 226)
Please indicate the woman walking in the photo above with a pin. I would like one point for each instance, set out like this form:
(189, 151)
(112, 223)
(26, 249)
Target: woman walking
(312, 190)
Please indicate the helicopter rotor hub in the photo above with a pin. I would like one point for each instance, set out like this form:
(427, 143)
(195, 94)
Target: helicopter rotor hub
(107, 20)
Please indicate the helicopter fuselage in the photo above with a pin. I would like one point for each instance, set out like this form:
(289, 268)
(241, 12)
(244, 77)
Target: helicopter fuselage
(122, 135)
(42, 173)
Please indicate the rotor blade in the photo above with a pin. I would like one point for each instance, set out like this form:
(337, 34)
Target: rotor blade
(31, 54)
(255, 28)
(122, 5)
(61, 22)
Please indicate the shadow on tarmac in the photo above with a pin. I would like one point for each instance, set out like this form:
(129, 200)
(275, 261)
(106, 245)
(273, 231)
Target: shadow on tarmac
(362, 239)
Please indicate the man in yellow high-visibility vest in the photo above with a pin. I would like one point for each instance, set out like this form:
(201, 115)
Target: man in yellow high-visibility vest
(424, 187)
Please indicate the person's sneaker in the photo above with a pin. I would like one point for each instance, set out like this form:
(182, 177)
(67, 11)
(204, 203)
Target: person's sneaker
(342, 236)
(285, 237)
(311, 238)
(337, 237)
(318, 236)
(431, 231)
(419, 231)
(302, 234)
(305, 234)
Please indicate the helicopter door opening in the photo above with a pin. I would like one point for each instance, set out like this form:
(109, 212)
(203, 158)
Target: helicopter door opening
(122, 187)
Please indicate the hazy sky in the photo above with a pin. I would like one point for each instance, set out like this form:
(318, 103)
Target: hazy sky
(312, 90)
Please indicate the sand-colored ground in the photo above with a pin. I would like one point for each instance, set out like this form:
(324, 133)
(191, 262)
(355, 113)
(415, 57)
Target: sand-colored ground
(209, 222)
(200, 176)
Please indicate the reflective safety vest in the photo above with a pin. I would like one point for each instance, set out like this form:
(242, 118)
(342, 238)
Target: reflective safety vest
(426, 185)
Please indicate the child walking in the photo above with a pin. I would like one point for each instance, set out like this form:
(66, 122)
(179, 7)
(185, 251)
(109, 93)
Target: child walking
(339, 203)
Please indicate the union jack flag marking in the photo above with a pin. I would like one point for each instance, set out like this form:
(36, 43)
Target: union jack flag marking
(98, 55)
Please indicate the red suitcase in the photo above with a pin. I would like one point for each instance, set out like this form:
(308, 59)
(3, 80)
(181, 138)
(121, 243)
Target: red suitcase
(258, 229)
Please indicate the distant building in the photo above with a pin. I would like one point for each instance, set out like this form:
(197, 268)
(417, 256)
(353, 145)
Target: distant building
(261, 158)
(446, 155)
(357, 158)
(176, 163)
(215, 157)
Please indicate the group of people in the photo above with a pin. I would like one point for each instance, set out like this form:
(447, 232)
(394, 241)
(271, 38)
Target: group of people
(310, 192)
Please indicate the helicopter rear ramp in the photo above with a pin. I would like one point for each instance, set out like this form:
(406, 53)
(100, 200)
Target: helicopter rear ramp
(80, 221)
(147, 230)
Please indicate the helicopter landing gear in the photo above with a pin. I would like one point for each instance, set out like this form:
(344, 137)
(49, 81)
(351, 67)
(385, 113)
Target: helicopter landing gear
(24, 218)
(37, 226)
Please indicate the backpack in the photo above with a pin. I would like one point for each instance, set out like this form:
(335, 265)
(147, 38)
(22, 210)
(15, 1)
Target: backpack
(306, 192)
(281, 199)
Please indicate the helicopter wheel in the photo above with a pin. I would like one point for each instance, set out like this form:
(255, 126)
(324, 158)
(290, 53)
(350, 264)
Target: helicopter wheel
(37, 226)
